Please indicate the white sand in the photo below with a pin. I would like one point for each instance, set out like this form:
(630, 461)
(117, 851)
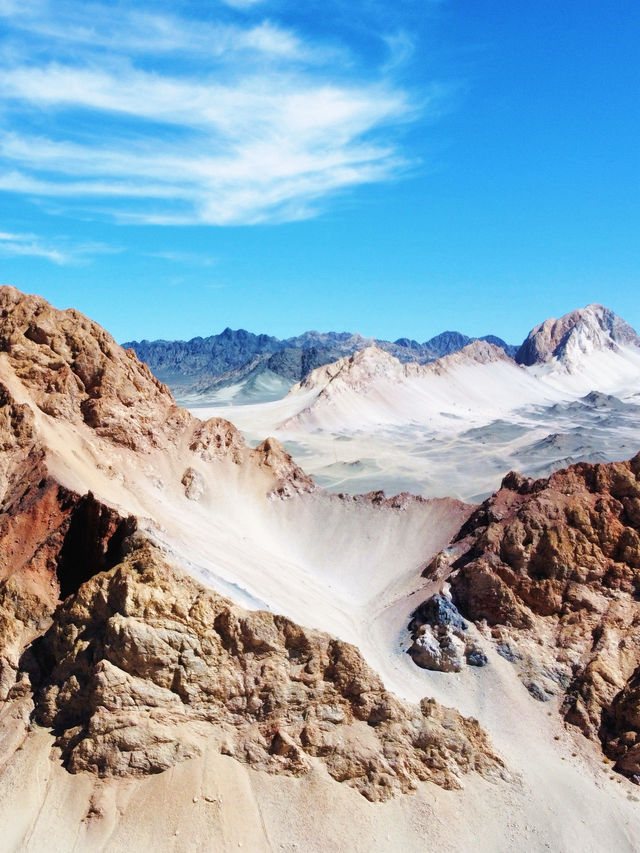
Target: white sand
(443, 432)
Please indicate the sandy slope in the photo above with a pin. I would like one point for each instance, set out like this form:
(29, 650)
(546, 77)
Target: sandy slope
(351, 568)
(214, 803)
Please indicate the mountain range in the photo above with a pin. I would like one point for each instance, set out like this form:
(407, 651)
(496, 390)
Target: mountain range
(267, 366)
(454, 425)
(237, 366)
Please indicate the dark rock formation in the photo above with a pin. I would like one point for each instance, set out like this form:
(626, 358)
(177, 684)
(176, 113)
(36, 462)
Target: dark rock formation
(203, 364)
(440, 639)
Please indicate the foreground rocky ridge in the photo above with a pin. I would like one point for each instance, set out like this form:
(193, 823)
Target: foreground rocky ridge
(550, 570)
(71, 370)
(130, 662)
(140, 665)
(141, 662)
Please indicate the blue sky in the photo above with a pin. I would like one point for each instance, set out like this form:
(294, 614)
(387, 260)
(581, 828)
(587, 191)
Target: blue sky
(392, 168)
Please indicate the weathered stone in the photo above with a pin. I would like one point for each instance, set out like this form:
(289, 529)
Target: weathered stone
(438, 649)
(438, 610)
(194, 484)
(553, 568)
(142, 662)
(476, 657)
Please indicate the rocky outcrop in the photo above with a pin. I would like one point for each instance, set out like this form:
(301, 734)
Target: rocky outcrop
(72, 371)
(217, 439)
(290, 479)
(141, 663)
(620, 729)
(550, 569)
(75, 371)
(440, 637)
(51, 539)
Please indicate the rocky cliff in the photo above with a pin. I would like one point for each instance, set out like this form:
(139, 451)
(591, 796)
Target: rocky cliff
(141, 664)
(550, 570)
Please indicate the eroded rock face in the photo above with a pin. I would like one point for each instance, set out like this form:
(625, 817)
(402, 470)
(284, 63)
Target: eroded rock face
(551, 569)
(51, 539)
(141, 663)
(290, 478)
(74, 371)
(621, 728)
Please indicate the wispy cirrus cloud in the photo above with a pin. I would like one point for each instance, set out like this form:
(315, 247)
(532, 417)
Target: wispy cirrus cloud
(29, 245)
(247, 122)
(140, 31)
(186, 258)
(60, 252)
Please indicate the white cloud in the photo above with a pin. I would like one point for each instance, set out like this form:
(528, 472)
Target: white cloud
(29, 245)
(216, 143)
(96, 25)
(401, 48)
(190, 258)
(60, 252)
(242, 4)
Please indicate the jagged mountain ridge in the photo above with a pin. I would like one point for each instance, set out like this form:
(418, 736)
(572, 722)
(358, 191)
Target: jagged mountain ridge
(204, 364)
(370, 421)
(566, 343)
(264, 364)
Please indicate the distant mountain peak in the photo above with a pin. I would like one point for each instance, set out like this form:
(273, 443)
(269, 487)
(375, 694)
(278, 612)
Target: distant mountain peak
(576, 333)
(448, 342)
(480, 352)
(356, 370)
